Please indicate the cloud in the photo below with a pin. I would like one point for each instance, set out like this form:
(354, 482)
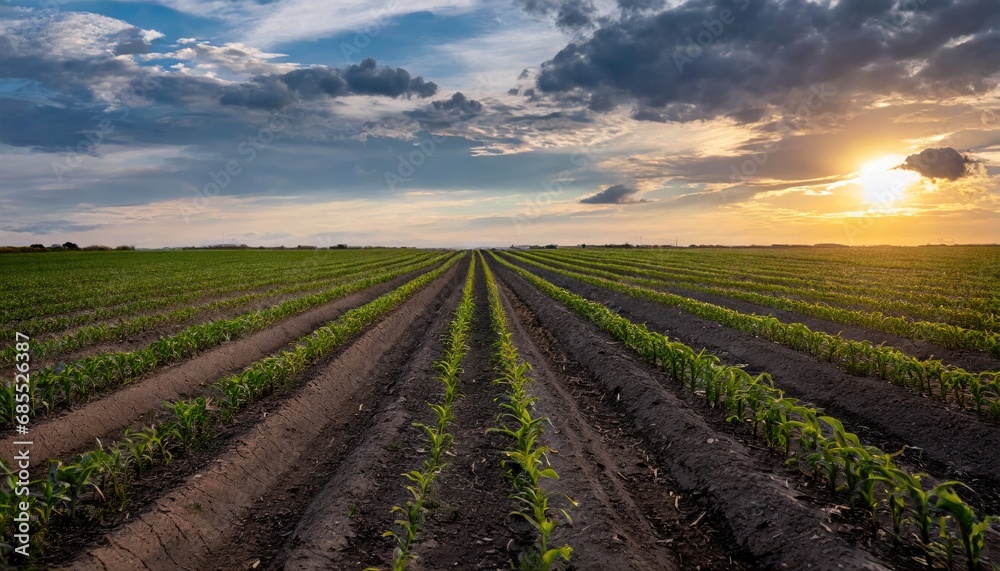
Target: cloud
(71, 35)
(275, 92)
(946, 163)
(616, 194)
(570, 14)
(453, 111)
(460, 103)
(50, 227)
(231, 58)
(640, 5)
(747, 59)
(284, 21)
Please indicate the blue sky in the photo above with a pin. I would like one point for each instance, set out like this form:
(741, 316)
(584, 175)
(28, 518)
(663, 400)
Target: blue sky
(465, 122)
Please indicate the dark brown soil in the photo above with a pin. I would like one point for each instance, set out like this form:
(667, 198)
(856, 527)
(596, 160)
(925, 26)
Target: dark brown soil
(779, 526)
(467, 524)
(306, 479)
(630, 512)
(968, 360)
(62, 434)
(947, 440)
(142, 339)
(189, 524)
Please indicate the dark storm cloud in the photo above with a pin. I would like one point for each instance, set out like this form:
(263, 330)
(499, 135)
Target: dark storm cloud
(262, 93)
(448, 111)
(570, 14)
(575, 14)
(617, 194)
(366, 78)
(946, 163)
(459, 103)
(739, 58)
(640, 5)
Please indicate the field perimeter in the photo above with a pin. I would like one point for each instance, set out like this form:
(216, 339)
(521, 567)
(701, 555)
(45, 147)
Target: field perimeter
(584, 408)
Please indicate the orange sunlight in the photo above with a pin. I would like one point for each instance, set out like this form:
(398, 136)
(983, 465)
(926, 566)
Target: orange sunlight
(882, 183)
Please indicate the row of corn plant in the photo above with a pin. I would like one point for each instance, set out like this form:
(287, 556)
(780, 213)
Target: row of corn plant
(957, 307)
(974, 391)
(64, 298)
(103, 474)
(527, 464)
(819, 444)
(944, 334)
(965, 303)
(89, 321)
(952, 304)
(60, 386)
(91, 335)
(438, 439)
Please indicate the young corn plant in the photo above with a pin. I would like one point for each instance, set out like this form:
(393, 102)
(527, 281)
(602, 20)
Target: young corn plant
(929, 377)
(972, 528)
(527, 463)
(191, 420)
(438, 439)
(77, 476)
(107, 470)
(829, 452)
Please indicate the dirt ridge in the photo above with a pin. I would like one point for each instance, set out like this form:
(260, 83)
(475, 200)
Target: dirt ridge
(766, 518)
(64, 433)
(185, 536)
(948, 436)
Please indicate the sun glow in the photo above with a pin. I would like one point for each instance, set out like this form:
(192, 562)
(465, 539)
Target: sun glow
(883, 184)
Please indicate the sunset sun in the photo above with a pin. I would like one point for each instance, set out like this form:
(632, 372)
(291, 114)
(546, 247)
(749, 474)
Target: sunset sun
(882, 183)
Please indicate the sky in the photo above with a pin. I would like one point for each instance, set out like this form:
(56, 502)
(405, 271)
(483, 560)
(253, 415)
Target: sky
(462, 123)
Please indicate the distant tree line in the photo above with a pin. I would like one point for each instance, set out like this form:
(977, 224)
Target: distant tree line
(66, 246)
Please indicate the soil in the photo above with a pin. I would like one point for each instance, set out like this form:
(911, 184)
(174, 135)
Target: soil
(630, 512)
(948, 440)
(105, 415)
(191, 522)
(307, 478)
(774, 524)
(975, 361)
(467, 523)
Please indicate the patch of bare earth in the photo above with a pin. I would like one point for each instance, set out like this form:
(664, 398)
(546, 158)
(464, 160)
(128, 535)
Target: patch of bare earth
(776, 524)
(943, 440)
(192, 522)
